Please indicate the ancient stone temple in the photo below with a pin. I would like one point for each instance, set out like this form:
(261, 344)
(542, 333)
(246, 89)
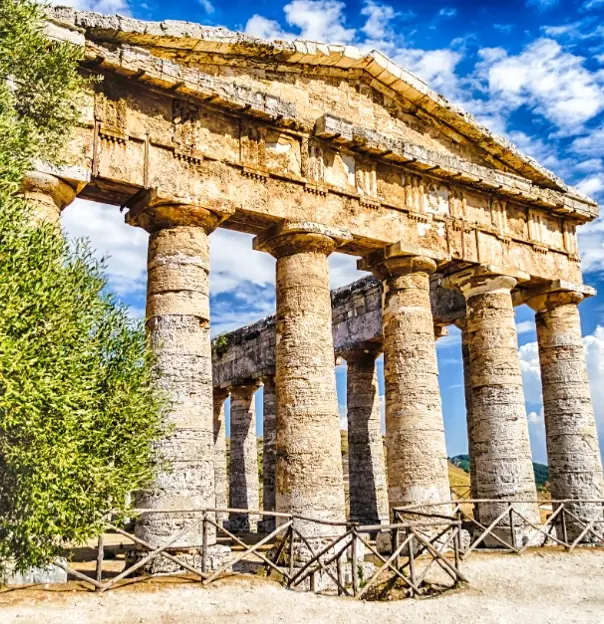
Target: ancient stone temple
(315, 149)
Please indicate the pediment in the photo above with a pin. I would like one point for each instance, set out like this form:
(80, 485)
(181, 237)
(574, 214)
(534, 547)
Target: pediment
(307, 80)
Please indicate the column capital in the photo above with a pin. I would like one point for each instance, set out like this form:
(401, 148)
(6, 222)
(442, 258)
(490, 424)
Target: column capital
(554, 294)
(152, 210)
(244, 390)
(461, 323)
(362, 352)
(399, 259)
(484, 279)
(220, 394)
(49, 193)
(287, 238)
(552, 300)
(440, 330)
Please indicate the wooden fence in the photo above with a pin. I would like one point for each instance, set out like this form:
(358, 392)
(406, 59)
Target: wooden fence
(347, 561)
(564, 523)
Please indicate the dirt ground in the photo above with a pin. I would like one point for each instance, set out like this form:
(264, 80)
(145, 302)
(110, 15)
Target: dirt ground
(535, 587)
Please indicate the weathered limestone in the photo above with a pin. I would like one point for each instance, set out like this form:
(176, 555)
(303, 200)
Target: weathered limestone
(49, 196)
(416, 452)
(269, 453)
(309, 467)
(178, 318)
(573, 450)
(243, 473)
(224, 123)
(249, 352)
(467, 383)
(499, 427)
(220, 457)
(366, 463)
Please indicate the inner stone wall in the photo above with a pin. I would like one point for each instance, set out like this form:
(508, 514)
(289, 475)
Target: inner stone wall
(249, 352)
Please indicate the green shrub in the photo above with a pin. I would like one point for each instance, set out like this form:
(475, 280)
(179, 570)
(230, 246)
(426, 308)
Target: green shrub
(78, 409)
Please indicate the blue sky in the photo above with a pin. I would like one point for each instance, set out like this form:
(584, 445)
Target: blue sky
(531, 70)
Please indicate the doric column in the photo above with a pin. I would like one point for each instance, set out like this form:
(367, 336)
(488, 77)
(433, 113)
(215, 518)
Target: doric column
(499, 427)
(178, 323)
(243, 473)
(573, 451)
(48, 195)
(220, 457)
(366, 463)
(415, 436)
(269, 454)
(467, 384)
(309, 463)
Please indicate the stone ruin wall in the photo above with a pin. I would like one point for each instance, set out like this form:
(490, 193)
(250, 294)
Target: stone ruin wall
(248, 353)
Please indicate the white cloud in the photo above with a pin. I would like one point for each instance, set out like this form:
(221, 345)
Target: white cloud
(536, 418)
(531, 375)
(379, 20)
(592, 4)
(591, 244)
(594, 354)
(435, 67)
(592, 185)
(207, 6)
(525, 327)
(343, 270)
(591, 144)
(233, 262)
(542, 5)
(125, 246)
(592, 165)
(259, 26)
(317, 20)
(447, 12)
(101, 6)
(534, 78)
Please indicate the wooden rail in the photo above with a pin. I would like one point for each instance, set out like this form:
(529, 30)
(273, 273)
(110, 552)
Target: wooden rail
(346, 561)
(566, 523)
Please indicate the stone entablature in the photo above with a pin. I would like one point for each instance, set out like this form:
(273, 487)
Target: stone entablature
(197, 114)
(249, 352)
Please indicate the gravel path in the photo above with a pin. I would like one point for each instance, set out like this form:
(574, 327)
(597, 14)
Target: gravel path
(534, 588)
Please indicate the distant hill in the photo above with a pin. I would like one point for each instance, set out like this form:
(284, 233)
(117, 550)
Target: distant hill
(541, 470)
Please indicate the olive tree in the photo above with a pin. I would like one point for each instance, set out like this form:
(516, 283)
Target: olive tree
(78, 410)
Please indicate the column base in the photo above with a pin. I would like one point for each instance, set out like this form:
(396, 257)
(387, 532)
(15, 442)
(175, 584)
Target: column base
(241, 524)
(35, 576)
(267, 525)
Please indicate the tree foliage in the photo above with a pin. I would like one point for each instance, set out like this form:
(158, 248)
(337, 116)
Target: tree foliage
(38, 90)
(78, 409)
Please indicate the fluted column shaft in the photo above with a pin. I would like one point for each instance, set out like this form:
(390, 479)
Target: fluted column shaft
(243, 473)
(178, 324)
(499, 427)
(269, 454)
(573, 450)
(366, 463)
(309, 464)
(220, 457)
(467, 384)
(416, 451)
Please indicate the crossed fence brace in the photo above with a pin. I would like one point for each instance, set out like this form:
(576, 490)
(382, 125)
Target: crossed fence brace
(416, 546)
(510, 521)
